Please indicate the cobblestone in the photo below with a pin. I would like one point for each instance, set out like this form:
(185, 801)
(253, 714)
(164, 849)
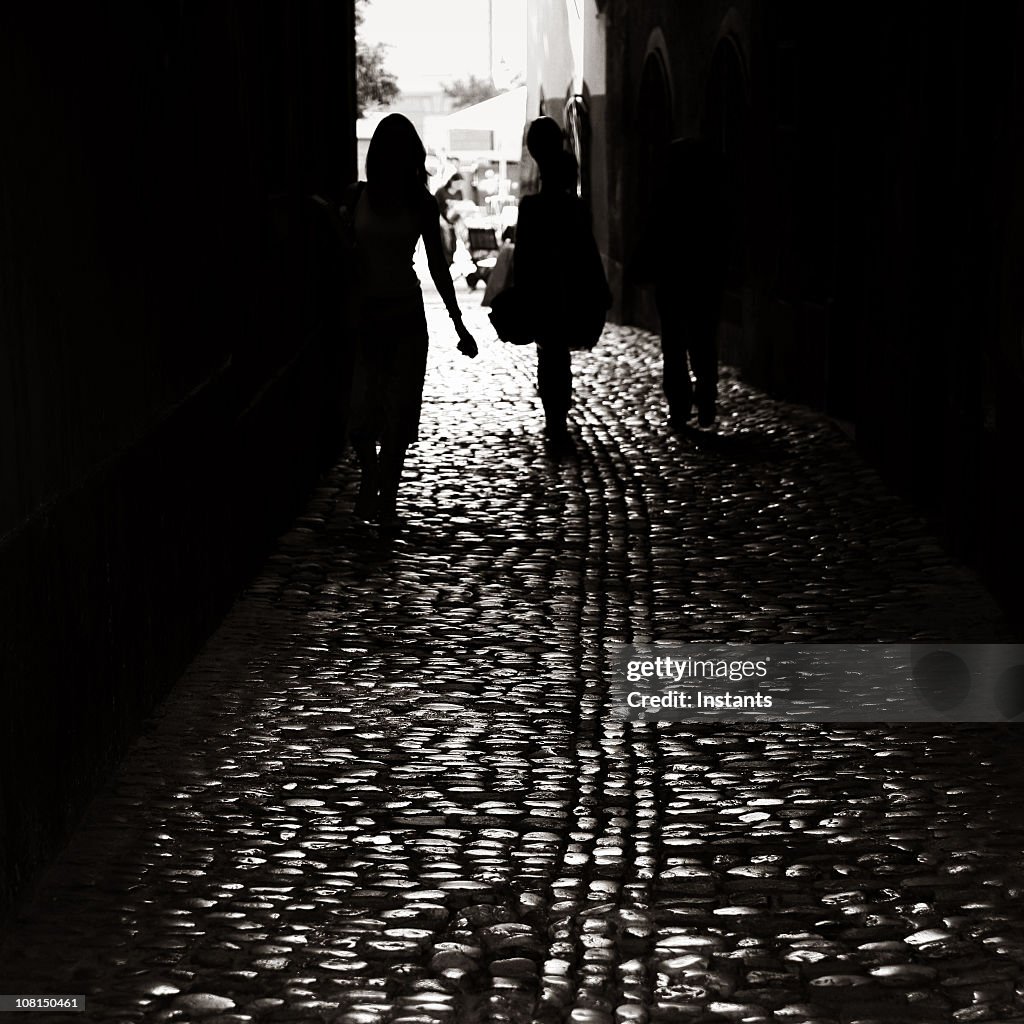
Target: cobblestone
(391, 790)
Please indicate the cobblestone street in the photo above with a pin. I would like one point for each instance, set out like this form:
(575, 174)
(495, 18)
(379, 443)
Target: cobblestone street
(391, 789)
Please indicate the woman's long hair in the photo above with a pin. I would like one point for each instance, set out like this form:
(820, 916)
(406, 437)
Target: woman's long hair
(396, 173)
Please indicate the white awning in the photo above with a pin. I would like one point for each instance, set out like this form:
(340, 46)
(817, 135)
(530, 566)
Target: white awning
(504, 115)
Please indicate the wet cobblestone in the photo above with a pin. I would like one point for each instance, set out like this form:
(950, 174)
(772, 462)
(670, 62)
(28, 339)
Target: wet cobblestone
(391, 788)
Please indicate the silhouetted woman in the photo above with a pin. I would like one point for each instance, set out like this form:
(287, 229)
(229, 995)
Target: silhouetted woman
(558, 269)
(388, 216)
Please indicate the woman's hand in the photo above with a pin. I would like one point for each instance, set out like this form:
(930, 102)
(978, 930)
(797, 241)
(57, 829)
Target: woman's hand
(467, 343)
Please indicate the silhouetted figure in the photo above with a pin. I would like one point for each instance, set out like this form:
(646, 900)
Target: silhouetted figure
(387, 218)
(445, 196)
(684, 253)
(558, 268)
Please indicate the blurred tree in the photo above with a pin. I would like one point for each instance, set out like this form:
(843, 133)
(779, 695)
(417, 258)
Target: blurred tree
(466, 92)
(375, 85)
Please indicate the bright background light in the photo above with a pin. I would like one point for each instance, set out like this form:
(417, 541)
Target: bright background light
(440, 42)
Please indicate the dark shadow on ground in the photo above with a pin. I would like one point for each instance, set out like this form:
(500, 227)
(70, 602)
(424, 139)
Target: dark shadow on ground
(745, 445)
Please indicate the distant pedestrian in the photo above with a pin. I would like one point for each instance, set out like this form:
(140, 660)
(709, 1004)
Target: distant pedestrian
(684, 253)
(448, 193)
(558, 270)
(387, 218)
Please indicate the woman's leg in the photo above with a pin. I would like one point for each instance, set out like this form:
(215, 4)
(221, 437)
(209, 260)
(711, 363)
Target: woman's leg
(675, 379)
(392, 460)
(400, 359)
(703, 346)
(554, 381)
(369, 478)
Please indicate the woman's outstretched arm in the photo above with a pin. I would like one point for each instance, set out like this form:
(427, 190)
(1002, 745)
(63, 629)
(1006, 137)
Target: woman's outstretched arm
(439, 273)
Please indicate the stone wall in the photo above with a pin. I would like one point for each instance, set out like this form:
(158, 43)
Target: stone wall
(171, 362)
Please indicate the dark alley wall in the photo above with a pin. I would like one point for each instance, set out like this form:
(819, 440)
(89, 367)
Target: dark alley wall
(170, 361)
(874, 203)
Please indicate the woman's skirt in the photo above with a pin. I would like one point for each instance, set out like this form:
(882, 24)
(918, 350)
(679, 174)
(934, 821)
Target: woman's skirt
(388, 370)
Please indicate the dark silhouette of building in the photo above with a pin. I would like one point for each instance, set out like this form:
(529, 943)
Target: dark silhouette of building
(168, 367)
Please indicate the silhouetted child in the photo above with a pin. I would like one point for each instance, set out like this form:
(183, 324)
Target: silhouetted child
(559, 270)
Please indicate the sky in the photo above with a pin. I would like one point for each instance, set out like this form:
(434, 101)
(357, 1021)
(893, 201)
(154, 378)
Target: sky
(433, 41)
